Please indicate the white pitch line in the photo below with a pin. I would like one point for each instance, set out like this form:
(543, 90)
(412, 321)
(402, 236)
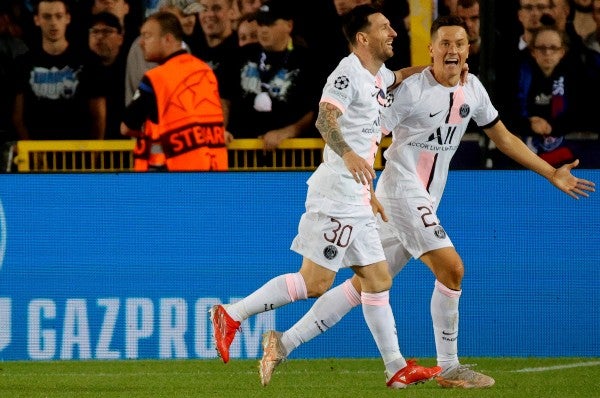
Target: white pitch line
(558, 367)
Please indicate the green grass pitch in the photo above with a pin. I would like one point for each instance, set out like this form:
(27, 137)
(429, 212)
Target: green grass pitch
(336, 377)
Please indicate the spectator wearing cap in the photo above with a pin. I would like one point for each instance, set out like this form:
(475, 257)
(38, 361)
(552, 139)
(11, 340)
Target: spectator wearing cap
(105, 40)
(124, 10)
(137, 65)
(127, 18)
(274, 90)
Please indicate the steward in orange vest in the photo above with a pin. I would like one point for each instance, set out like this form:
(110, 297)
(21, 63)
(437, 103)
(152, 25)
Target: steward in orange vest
(176, 113)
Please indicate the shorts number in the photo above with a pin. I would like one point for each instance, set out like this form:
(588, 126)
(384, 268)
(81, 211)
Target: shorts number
(425, 213)
(340, 235)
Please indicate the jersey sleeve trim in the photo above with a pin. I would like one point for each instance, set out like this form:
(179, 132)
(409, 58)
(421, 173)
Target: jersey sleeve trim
(492, 123)
(334, 102)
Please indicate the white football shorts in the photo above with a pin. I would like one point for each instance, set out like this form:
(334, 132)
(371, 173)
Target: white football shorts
(412, 226)
(337, 235)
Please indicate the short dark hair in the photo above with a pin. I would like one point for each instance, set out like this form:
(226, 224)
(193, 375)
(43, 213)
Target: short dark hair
(357, 20)
(447, 20)
(466, 3)
(169, 23)
(36, 5)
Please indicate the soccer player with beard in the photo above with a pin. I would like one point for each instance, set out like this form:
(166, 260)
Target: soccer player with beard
(428, 117)
(339, 227)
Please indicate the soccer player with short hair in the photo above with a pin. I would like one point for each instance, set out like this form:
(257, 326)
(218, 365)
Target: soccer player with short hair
(428, 117)
(339, 228)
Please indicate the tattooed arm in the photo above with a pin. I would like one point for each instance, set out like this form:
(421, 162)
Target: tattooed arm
(327, 124)
(329, 128)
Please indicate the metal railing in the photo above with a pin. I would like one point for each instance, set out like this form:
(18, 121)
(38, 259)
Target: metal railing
(117, 155)
(292, 154)
(74, 156)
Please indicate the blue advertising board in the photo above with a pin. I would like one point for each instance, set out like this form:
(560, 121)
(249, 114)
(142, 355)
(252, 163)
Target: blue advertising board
(126, 266)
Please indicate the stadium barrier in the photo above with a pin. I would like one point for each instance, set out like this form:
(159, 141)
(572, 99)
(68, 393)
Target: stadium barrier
(74, 155)
(292, 154)
(116, 155)
(298, 154)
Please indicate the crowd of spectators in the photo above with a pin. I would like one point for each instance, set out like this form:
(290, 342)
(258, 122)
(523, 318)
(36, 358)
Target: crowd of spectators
(68, 68)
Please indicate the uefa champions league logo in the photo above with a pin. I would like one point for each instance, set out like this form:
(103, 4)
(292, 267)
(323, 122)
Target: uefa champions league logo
(2, 234)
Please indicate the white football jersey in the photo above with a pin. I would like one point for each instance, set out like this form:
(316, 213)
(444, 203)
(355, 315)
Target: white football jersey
(428, 122)
(360, 96)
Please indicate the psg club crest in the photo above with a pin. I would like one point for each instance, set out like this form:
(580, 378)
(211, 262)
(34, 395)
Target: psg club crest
(464, 110)
(439, 232)
(330, 252)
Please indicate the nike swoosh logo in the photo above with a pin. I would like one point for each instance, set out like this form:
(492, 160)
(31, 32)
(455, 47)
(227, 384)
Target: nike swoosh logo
(433, 114)
(447, 333)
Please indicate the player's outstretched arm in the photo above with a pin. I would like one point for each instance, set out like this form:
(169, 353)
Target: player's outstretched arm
(513, 147)
(567, 182)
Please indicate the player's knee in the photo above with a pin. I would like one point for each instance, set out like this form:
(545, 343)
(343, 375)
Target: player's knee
(318, 288)
(376, 283)
(384, 282)
(455, 275)
(458, 271)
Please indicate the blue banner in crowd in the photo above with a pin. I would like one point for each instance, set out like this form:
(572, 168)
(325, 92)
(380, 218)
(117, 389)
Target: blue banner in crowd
(126, 266)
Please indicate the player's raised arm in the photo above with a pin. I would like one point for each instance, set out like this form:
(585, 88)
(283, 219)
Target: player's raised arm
(513, 147)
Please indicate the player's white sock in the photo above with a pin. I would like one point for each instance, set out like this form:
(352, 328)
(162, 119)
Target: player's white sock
(279, 291)
(378, 314)
(325, 312)
(444, 314)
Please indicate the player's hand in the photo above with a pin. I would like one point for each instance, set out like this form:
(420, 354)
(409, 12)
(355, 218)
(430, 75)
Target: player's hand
(361, 170)
(464, 73)
(378, 207)
(571, 185)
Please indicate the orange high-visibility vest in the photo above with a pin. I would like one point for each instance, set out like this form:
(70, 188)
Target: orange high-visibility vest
(190, 118)
(142, 152)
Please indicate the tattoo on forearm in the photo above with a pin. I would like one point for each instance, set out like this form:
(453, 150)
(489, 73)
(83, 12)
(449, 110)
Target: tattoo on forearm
(330, 130)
